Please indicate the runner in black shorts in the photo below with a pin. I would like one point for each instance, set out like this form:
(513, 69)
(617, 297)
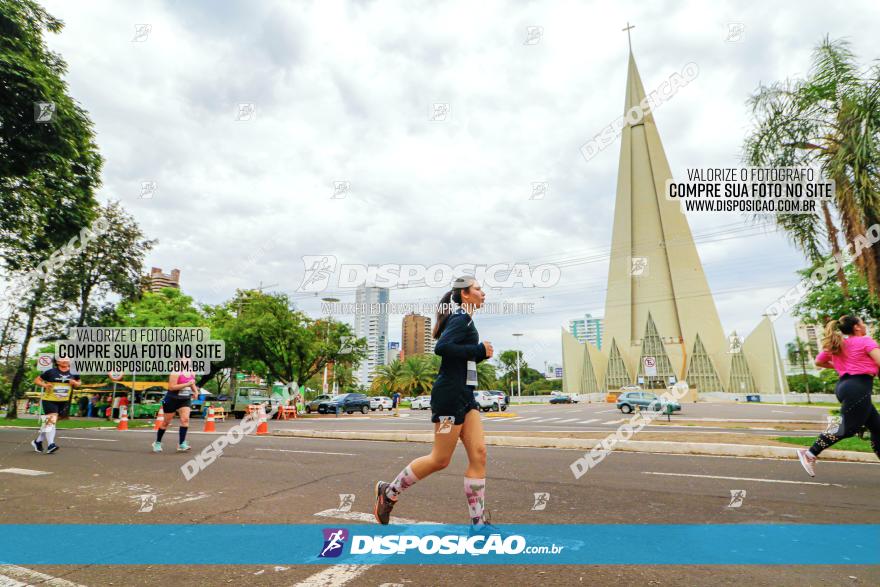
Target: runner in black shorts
(181, 387)
(454, 412)
(58, 383)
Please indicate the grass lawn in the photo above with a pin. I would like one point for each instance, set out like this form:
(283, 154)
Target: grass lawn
(66, 424)
(855, 443)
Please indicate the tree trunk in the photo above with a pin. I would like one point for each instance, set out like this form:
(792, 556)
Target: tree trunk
(84, 306)
(18, 377)
(834, 241)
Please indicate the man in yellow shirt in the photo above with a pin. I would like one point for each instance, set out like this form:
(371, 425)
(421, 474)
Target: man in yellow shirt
(57, 382)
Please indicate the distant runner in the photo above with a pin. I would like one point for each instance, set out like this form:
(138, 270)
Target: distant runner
(181, 389)
(57, 383)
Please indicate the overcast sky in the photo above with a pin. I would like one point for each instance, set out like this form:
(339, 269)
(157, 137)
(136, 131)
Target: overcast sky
(345, 92)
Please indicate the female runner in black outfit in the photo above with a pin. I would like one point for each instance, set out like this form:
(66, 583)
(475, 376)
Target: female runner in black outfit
(455, 413)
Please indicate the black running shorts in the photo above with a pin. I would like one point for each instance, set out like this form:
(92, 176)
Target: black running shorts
(50, 407)
(456, 406)
(172, 404)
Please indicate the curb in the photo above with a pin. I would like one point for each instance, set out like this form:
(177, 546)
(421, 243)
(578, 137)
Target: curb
(643, 446)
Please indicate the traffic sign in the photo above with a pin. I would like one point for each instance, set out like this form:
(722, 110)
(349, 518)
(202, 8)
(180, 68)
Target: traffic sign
(115, 375)
(650, 364)
(44, 362)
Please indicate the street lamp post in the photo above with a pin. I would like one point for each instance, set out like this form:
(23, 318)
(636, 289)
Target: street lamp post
(518, 361)
(327, 338)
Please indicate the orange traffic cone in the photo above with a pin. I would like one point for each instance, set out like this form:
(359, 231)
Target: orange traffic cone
(263, 426)
(159, 417)
(123, 418)
(209, 421)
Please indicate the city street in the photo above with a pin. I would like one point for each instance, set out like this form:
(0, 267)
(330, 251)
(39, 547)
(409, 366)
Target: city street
(111, 477)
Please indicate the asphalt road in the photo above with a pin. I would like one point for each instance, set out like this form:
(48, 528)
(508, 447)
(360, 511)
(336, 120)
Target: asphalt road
(103, 476)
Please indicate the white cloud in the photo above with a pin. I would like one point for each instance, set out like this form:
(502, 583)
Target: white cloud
(343, 91)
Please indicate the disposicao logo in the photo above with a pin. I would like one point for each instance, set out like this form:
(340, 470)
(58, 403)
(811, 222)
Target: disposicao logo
(334, 541)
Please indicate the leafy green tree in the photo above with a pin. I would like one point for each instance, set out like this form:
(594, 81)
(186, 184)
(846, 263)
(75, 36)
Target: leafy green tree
(112, 262)
(829, 120)
(49, 169)
(292, 346)
(168, 307)
(828, 300)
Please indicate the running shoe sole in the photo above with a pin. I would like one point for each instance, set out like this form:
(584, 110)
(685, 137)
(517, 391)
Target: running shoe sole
(51, 449)
(36, 448)
(806, 463)
(379, 499)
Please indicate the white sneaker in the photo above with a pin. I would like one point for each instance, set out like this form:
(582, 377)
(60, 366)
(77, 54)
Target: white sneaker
(808, 461)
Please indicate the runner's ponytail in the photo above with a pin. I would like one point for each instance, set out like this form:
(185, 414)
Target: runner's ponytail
(453, 296)
(832, 341)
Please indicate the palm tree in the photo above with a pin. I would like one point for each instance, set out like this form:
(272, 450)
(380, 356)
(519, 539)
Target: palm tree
(486, 375)
(418, 374)
(801, 352)
(388, 378)
(829, 121)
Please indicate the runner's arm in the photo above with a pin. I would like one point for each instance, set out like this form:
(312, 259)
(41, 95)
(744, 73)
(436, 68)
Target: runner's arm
(449, 345)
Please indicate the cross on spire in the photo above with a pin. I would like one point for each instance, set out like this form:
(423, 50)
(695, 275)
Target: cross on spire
(628, 28)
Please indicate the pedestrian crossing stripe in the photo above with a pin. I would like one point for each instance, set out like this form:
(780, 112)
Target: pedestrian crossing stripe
(588, 421)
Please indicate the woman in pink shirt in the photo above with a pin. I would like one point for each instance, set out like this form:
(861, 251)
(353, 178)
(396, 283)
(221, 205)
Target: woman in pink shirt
(856, 359)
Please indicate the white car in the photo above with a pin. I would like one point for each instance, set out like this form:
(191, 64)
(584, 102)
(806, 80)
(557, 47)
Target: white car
(423, 402)
(487, 401)
(380, 402)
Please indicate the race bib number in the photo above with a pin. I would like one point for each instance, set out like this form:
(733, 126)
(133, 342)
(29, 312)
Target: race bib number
(471, 373)
(62, 392)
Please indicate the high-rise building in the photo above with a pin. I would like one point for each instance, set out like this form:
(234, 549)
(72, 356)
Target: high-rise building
(811, 334)
(393, 352)
(416, 335)
(373, 326)
(587, 329)
(157, 280)
(661, 324)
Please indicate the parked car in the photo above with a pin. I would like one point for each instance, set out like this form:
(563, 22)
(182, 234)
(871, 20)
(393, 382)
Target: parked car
(487, 401)
(380, 402)
(626, 388)
(423, 402)
(629, 400)
(348, 403)
(505, 401)
(561, 399)
(319, 401)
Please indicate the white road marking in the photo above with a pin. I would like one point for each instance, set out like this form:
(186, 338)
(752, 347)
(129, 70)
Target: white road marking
(334, 576)
(82, 438)
(781, 412)
(339, 575)
(588, 421)
(745, 479)
(9, 582)
(527, 419)
(28, 472)
(33, 577)
(568, 420)
(545, 420)
(606, 411)
(312, 452)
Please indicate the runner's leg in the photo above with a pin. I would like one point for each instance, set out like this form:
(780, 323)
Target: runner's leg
(475, 476)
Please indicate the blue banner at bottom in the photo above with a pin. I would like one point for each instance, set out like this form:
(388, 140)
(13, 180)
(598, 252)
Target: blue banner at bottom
(309, 544)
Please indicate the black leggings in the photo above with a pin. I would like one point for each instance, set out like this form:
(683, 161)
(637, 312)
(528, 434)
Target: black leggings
(856, 411)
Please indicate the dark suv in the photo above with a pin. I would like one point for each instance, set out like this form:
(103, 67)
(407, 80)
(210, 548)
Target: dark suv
(348, 403)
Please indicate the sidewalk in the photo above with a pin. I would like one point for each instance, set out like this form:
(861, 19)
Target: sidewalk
(722, 444)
